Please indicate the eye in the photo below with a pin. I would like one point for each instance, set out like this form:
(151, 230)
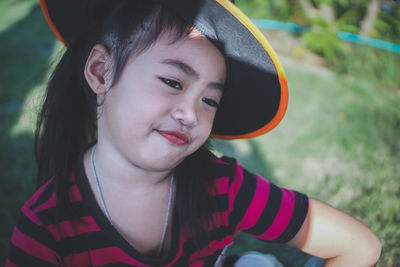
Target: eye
(210, 102)
(171, 83)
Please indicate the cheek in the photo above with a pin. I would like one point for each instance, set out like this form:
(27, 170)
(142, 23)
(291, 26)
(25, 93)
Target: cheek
(143, 103)
(210, 116)
(206, 125)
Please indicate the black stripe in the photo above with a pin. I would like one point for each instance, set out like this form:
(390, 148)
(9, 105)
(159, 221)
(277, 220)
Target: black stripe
(221, 203)
(85, 242)
(297, 219)
(223, 170)
(22, 259)
(269, 213)
(216, 234)
(45, 196)
(243, 198)
(48, 216)
(184, 259)
(210, 260)
(188, 248)
(36, 232)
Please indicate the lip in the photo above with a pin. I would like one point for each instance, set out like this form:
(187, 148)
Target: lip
(175, 137)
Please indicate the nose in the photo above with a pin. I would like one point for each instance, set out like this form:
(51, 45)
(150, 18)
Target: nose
(185, 112)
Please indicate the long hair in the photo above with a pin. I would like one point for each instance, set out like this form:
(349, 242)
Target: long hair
(66, 125)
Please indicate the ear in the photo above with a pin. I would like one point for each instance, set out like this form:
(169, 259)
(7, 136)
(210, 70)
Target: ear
(97, 69)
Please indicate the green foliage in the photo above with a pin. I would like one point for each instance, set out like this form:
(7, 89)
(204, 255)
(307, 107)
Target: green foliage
(325, 2)
(323, 43)
(255, 8)
(349, 21)
(373, 65)
(322, 39)
(387, 26)
(274, 9)
(349, 15)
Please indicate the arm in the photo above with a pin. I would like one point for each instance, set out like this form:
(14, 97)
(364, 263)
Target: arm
(332, 234)
(31, 243)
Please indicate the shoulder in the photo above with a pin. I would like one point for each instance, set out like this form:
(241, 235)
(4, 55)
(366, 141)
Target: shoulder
(224, 170)
(236, 183)
(233, 173)
(226, 166)
(43, 199)
(223, 166)
(257, 206)
(43, 208)
(32, 241)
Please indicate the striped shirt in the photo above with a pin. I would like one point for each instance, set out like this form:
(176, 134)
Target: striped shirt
(85, 237)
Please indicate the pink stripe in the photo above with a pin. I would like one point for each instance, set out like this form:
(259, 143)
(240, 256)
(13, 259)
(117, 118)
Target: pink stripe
(283, 217)
(74, 194)
(99, 257)
(220, 161)
(221, 185)
(34, 248)
(215, 245)
(256, 206)
(235, 186)
(46, 205)
(10, 264)
(81, 259)
(219, 219)
(31, 215)
(73, 227)
(184, 235)
(198, 263)
(38, 193)
(112, 255)
(211, 248)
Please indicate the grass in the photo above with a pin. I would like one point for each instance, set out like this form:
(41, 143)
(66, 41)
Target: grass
(12, 10)
(26, 44)
(339, 141)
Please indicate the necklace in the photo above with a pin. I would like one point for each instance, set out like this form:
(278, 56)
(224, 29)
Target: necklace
(104, 208)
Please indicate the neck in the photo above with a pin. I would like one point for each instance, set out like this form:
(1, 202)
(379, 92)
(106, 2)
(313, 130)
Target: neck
(116, 171)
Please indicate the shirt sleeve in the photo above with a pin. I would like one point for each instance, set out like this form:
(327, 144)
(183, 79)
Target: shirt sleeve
(31, 243)
(262, 209)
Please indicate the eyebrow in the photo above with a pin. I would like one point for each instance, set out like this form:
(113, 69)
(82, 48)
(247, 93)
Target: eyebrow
(191, 72)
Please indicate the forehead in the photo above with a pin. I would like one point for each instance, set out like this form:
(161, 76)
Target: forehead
(194, 49)
(194, 39)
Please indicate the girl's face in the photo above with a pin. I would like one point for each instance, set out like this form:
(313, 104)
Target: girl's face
(163, 106)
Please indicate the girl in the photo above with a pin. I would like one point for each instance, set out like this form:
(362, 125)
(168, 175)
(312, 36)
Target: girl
(121, 143)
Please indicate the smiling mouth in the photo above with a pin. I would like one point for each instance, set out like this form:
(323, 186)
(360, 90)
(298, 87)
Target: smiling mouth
(174, 137)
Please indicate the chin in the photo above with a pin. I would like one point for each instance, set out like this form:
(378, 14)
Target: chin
(161, 164)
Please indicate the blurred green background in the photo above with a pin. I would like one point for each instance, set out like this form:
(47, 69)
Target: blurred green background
(340, 139)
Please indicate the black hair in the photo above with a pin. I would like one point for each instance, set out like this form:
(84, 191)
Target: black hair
(66, 125)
